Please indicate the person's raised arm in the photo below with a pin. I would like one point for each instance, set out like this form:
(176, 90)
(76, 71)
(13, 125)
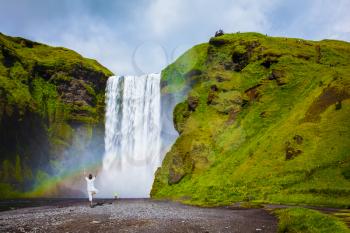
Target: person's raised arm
(84, 173)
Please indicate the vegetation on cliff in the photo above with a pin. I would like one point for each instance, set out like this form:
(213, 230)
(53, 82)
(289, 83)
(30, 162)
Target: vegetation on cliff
(47, 96)
(266, 120)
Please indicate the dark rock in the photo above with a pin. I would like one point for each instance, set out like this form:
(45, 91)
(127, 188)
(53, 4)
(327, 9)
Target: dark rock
(192, 102)
(240, 60)
(298, 139)
(220, 79)
(269, 61)
(75, 92)
(218, 41)
(346, 173)
(318, 53)
(253, 92)
(211, 96)
(228, 66)
(25, 42)
(163, 83)
(263, 114)
(174, 177)
(338, 105)
(269, 55)
(250, 45)
(9, 56)
(277, 75)
(244, 103)
(96, 78)
(214, 87)
(291, 152)
(176, 172)
(303, 56)
(232, 115)
(192, 73)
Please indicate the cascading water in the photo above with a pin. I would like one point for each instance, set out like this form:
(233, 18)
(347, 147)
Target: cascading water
(132, 135)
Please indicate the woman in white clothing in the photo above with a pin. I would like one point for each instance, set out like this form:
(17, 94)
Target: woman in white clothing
(90, 187)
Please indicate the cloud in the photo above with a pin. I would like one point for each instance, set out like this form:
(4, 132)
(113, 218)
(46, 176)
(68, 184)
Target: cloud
(312, 19)
(120, 34)
(166, 19)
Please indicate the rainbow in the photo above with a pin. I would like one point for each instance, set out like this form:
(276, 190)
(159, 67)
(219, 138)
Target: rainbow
(52, 186)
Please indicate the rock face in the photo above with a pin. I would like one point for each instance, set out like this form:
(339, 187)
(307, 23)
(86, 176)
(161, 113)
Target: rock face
(264, 119)
(49, 98)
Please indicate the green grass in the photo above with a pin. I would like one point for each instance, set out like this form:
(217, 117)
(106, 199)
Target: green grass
(236, 148)
(295, 220)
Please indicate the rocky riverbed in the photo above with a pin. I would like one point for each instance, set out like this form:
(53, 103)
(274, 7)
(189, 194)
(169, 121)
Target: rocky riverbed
(137, 215)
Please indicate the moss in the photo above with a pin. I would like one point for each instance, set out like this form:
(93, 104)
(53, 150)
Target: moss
(181, 113)
(15, 95)
(18, 170)
(247, 125)
(306, 220)
(7, 191)
(46, 93)
(45, 96)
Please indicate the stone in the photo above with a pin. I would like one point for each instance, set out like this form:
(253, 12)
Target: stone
(298, 139)
(192, 102)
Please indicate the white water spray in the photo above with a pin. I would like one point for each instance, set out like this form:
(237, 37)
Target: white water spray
(132, 135)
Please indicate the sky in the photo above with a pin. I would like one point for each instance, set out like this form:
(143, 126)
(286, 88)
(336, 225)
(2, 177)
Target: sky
(143, 36)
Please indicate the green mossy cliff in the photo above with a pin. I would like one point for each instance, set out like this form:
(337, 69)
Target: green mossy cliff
(266, 120)
(49, 96)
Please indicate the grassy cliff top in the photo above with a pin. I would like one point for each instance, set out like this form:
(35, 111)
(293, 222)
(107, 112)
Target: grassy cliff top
(31, 53)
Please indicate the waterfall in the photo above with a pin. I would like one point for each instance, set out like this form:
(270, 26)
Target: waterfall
(132, 135)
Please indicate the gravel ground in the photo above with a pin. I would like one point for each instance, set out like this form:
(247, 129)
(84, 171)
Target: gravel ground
(138, 215)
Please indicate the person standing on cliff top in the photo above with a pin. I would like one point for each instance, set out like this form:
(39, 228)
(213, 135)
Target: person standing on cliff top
(91, 187)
